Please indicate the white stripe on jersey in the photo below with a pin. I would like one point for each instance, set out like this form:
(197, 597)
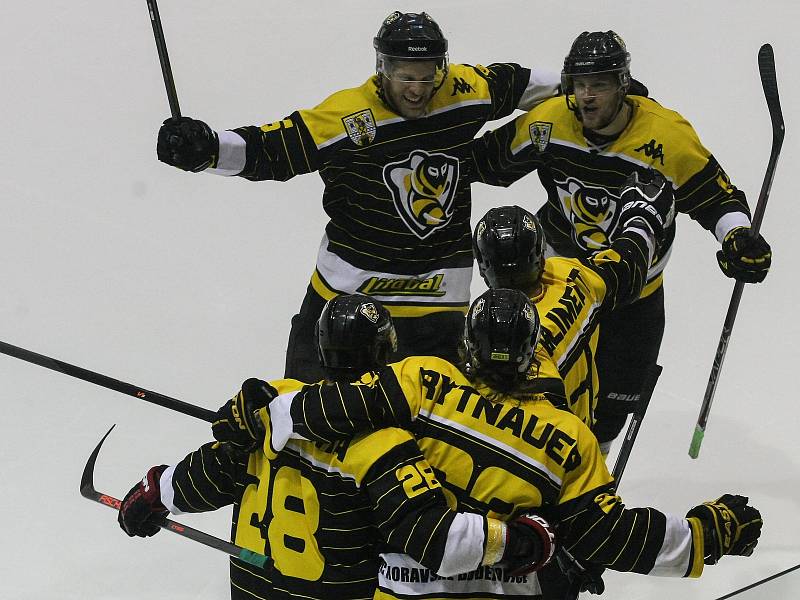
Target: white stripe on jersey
(345, 278)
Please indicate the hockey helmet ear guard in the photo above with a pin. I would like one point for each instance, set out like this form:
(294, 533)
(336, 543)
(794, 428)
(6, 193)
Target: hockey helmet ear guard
(509, 247)
(355, 334)
(415, 37)
(500, 335)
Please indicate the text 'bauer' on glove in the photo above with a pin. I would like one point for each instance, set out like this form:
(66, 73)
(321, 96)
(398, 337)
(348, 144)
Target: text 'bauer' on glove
(648, 201)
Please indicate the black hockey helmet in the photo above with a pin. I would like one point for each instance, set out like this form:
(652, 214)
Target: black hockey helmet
(595, 52)
(409, 37)
(355, 334)
(500, 336)
(509, 245)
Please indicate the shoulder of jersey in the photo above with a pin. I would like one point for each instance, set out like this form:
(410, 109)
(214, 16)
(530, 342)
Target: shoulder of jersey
(654, 115)
(327, 122)
(465, 84)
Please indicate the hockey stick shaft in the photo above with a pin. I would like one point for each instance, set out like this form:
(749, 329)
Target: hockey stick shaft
(648, 386)
(163, 57)
(646, 393)
(769, 81)
(108, 382)
(89, 492)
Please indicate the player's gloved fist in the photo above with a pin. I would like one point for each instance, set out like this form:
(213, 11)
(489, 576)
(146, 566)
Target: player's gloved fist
(142, 505)
(743, 257)
(647, 201)
(188, 144)
(529, 544)
(728, 525)
(237, 421)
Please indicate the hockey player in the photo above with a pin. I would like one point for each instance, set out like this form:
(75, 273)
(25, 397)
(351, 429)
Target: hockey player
(583, 147)
(389, 155)
(499, 450)
(319, 512)
(572, 294)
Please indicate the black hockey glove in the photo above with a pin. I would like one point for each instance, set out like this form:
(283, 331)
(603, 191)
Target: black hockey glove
(529, 545)
(728, 525)
(743, 257)
(142, 505)
(188, 144)
(238, 422)
(647, 201)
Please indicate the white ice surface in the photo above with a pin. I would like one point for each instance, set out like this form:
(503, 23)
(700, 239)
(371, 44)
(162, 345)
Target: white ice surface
(185, 284)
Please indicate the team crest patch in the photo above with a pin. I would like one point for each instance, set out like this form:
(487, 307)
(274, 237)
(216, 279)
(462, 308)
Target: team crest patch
(540, 134)
(423, 188)
(369, 311)
(360, 127)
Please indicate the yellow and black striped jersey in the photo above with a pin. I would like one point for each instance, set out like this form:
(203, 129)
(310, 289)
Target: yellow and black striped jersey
(496, 456)
(399, 210)
(583, 180)
(323, 514)
(574, 294)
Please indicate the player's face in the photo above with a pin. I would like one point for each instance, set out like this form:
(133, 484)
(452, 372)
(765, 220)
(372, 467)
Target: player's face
(410, 86)
(598, 99)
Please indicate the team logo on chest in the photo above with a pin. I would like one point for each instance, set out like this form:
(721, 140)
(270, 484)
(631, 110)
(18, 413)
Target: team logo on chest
(423, 188)
(360, 127)
(540, 134)
(591, 210)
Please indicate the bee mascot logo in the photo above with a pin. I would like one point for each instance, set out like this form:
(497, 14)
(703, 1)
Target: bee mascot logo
(423, 188)
(591, 210)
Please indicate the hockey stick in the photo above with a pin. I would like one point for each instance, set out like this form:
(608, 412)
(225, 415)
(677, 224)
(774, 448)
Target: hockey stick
(107, 382)
(88, 492)
(648, 386)
(582, 579)
(769, 81)
(163, 57)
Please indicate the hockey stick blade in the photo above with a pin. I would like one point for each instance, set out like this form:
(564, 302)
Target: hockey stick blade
(89, 492)
(769, 81)
(107, 382)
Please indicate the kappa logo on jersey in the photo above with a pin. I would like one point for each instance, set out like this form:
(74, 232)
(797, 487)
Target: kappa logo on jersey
(540, 134)
(591, 210)
(369, 311)
(423, 188)
(460, 86)
(652, 150)
(360, 127)
(403, 286)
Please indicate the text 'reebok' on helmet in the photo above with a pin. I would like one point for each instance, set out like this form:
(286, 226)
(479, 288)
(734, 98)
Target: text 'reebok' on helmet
(410, 37)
